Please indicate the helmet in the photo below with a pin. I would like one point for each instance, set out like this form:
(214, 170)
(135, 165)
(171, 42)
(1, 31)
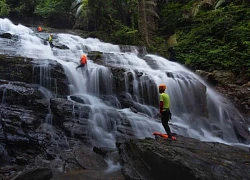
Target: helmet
(162, 86)
(83, 56)
(39, 29)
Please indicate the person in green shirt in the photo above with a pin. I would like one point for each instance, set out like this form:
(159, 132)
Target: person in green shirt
(50, 39)
(164, 110)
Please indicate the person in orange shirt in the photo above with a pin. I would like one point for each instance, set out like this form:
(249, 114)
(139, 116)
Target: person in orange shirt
(39, 29)
(83, 61)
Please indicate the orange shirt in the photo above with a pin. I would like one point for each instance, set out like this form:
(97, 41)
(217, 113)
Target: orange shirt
(39, 29)
(83, 59)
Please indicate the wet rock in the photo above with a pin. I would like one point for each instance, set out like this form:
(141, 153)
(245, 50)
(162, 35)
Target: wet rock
(60, 46)
(118, 80)
(38, 174)
(17, 140)
(151, 62)
(6, 172)
(185, 158)
(224, 77)
(208, 76)
(6, 35)
(96, 56)
(88, 159)
(238, 95)
(90, 175)
(63, 108)
(236, 89)
(124, 132)
(17, 93)
(27, 70)
(50, 154)
(125, 100)
(133, 109)
(54, 79)
(77, 130)
(139, 50)
(103, 151)
(111, 100)
(14, 68)
(21, 161)
(77, 99)
(4, 158)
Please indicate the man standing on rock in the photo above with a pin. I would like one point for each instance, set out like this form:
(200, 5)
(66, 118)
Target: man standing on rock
(164, 110)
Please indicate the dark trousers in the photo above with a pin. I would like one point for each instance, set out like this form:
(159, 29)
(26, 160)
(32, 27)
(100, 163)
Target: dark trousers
(51, 44)
(165, 117)
(81, 65)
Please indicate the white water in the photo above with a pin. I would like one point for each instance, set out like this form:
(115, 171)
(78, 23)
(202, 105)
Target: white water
(183, 86)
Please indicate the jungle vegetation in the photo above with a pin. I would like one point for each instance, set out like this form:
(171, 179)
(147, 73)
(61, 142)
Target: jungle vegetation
(202, 34)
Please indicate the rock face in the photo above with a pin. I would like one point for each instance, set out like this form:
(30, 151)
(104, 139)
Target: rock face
(41, 129)
(185, 158)
(38, 174)
(235, 89)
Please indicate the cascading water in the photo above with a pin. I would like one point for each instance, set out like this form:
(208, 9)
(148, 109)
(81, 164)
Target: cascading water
(197, 110)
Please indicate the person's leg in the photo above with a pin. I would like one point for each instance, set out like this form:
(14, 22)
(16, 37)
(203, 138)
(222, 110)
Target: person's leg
(78, 66)
(51, 44)
(81, 65)
(164, 121)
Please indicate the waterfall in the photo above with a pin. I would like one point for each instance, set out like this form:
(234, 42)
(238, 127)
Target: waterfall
(197, 110)
(42, 76)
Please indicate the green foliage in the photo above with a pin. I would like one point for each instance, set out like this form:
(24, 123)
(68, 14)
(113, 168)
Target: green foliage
(4, 8)
(46, 7)
(217, 39)
(22, 7)
(124, 34)
(173, 16)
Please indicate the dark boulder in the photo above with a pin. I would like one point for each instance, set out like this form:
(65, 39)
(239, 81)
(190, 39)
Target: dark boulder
(6, 35)
(37, 174)
(185, 158)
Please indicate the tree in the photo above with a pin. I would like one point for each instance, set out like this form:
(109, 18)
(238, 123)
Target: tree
(146, 18)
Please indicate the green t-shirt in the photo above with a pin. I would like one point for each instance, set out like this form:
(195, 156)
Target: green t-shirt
(50, 39)
(166, 100)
